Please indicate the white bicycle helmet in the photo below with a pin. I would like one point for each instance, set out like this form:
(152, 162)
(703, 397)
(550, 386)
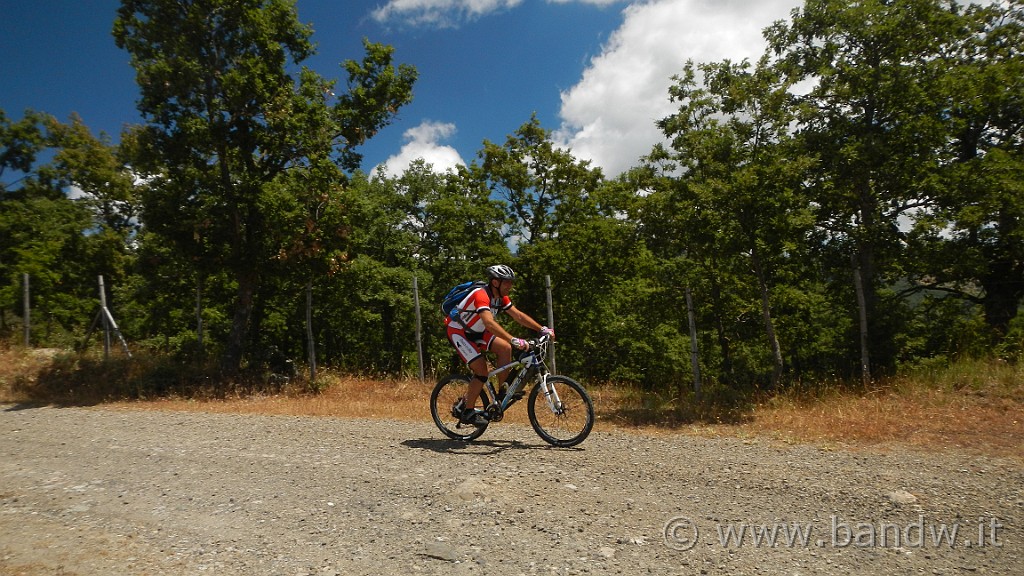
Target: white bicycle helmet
(501, 272)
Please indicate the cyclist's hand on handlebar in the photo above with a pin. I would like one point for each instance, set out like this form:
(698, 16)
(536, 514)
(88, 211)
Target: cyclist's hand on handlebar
(545, 331)
(520, 344)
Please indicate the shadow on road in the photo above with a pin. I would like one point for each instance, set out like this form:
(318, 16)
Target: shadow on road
(476, 447)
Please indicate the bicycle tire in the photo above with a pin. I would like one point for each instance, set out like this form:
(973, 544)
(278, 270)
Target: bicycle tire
(572, 424)
(446, 392)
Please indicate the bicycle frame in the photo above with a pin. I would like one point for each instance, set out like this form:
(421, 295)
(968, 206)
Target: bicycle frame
(533, 359)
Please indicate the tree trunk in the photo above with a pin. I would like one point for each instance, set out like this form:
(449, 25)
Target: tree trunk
(723, 338)
(1003, 278)
(862, 316)
(769, 326)
(1004, 288)
(232, 361)
(869, 234)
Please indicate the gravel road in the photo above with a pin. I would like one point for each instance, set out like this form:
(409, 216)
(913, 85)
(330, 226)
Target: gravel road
(114, 491)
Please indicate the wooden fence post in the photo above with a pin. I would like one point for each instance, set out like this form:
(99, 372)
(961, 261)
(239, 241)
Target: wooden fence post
(309, 332)
(551, 321)
(694, 355)
(28, 314)
(104, 319)
(419, 330)
(199, 316)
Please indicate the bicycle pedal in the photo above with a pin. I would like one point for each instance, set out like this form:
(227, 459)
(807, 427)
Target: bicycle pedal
(474, 418)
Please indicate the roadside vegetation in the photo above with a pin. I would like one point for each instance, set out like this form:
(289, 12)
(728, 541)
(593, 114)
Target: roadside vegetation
(973, 405)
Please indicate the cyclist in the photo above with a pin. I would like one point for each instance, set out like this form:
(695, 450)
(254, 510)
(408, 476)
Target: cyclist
(475, 331)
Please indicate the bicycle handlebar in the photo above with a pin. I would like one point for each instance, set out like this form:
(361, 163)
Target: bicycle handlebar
(538, 342)
(535, 346)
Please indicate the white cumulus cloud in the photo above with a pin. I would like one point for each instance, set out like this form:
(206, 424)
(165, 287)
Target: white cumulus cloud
(451, 13)
(424, 142)
(593, 2)
(439, 13)
(608, 116)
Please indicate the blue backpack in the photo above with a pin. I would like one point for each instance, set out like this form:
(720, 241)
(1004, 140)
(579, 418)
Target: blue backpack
(458, 294)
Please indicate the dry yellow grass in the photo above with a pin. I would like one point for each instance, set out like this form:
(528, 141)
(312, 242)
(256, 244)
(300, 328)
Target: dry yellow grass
(20, 366)
(975, 405)
(343, 397)
(980, 408)
(932, 419)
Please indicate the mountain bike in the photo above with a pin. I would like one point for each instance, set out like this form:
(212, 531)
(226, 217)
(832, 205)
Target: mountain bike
(560, 410)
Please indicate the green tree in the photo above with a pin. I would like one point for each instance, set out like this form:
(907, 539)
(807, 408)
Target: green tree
(42, 235)
(682, 232)
(742, 164)
(609, 306)
(550, 203)
(227, 122)
(456, 228)
(442, 227)
(20, 212)
(539, 182)
(93, 170)
(873, 116)
(64, 221)
(457, 223)
(20, 143)
(972, 240)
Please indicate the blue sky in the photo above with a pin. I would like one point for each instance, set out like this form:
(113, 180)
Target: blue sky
(595, 72)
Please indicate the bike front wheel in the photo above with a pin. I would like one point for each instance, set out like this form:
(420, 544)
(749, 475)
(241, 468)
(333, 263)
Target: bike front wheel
(565, 422)
(446, 393)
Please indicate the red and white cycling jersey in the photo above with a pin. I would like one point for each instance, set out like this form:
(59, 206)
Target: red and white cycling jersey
(471, 306)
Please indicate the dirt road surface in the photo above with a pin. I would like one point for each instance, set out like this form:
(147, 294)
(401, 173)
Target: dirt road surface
(115, 491)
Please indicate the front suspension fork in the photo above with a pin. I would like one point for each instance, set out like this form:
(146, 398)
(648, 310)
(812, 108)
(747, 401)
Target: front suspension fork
(551, 395)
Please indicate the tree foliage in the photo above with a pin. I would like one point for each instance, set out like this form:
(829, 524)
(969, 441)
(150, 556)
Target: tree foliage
(64, 221)
(878, 140)
(238, 149)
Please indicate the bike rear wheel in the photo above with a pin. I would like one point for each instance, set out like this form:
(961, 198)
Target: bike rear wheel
(446, 393)
(567, 424)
